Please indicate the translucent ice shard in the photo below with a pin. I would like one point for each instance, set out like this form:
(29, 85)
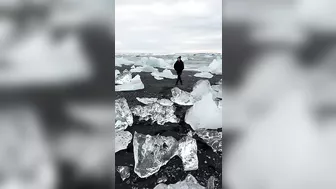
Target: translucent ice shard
(181, 97)
(165, 102)
(189, 183)
(197, 117)
(204, 75)
(124, 116)
(133, 85)
(156, 112)
(122, 139)
(123, 78)
(124, 171)
(212, 137)
(188, 153)
(147, 100)
(152, 152)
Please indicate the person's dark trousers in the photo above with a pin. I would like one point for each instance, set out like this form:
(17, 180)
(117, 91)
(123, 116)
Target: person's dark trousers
(178, 78)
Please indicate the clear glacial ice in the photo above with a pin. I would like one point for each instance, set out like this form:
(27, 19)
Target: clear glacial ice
(188, 183)
(212, 137)
(164, 74)
(181, 97)
(124, 171)
(122, 139)
(123, 114)
(152, 152)
(124, 77)
(156, 112)
(147, 100)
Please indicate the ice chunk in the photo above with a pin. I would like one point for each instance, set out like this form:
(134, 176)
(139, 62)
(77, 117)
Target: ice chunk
(201, 88)
(204, 75)
(181, 97)
(219, 82)
(144, 69)
(133, 67)
(217, 91)
(188, 153)
(147, 100)
(155, 62)
(197, 118)
(211, 183)
(158, 78)
(189, 183)
(122, 139)
(212, 137)
(123, 78)
(165, 102)
(123, 61)
(152, 152)
(116, 74)
(124, 116)
(136, 69)
(215, 66)
(165, 74)
(124, 171)
(156, 112)
(133, 85)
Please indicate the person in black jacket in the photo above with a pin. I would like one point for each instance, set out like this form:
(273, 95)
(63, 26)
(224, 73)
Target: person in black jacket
(179, 66)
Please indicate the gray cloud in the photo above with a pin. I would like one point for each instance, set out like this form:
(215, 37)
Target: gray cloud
(168, 26)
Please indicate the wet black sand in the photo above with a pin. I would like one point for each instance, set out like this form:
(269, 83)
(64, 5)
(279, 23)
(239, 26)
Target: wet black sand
(210, 162)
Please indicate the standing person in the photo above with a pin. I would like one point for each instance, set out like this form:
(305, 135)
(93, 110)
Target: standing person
(179, 66)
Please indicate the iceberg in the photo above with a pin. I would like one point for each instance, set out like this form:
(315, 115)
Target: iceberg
(147, 100)
(122, 139)
(156, 112)
(188, 153)
(123, 78)
(215, 66)
(133, 85)
(124, 171)
(189, 183)
(164, 74)
(181, 97)
(197, 118)
(152, 152)
(212, 137)
(204, 75)
(124, 116)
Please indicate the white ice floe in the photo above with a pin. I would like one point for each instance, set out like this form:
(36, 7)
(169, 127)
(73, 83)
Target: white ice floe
(156, 112)
(204, 75)
(189, 183)
(215, 66)
(147, 100)
(164, 74)
(181, 97)
(152, 152)
(124, 116)
(204, 114)
(122, 139)
(133, 85)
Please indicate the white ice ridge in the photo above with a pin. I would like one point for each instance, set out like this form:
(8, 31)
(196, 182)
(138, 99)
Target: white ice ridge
(204, 75)
(152, 152)
(124, 116)
(122, 139)
(133, 85)
(156, 112)
(189, 183)
(204, 114)
(164, 74)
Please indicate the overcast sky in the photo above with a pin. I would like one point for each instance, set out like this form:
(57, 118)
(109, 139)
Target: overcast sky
(168, 26)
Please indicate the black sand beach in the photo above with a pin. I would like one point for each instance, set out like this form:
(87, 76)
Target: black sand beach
(210, 162)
